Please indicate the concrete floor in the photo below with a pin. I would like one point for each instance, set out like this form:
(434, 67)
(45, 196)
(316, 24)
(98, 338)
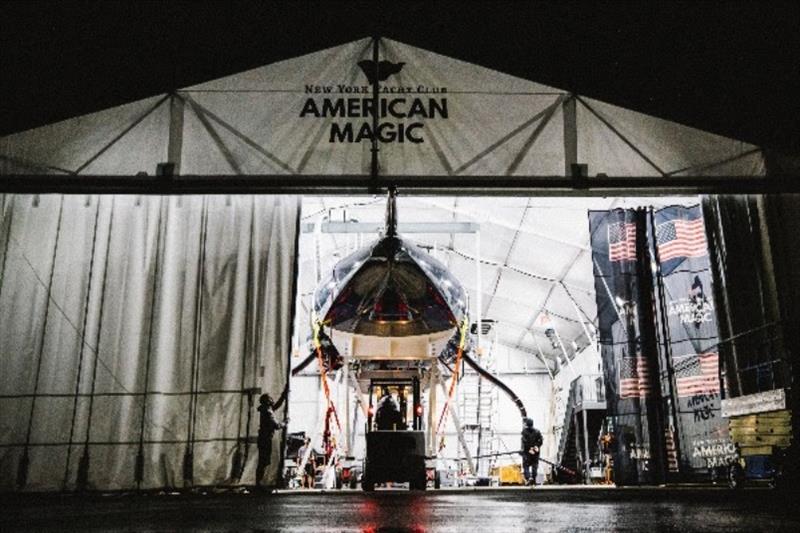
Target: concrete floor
(476, 510)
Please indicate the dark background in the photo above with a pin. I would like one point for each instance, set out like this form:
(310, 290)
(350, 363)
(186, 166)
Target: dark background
(731, 68)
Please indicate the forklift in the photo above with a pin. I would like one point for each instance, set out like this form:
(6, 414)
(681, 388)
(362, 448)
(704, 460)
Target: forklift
(395, 451)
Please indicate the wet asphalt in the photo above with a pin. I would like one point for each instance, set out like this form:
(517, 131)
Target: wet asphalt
(478, 511)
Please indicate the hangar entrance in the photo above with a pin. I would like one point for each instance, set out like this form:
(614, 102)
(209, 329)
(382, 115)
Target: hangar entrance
(143, 321)
(597, 314)
(141, 331)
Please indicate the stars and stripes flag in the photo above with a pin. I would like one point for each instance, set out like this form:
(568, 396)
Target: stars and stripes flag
(622, 241)
(634, 378)
(696, 374)
(681, 238)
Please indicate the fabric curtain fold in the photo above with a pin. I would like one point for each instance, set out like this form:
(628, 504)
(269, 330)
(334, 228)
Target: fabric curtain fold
(141, 254)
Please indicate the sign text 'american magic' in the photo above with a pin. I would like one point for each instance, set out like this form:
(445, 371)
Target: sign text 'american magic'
(401, 112)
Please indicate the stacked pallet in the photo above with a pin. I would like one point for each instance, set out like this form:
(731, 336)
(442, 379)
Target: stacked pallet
(760, 433)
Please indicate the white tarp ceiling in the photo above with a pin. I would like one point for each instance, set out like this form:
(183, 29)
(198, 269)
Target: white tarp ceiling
(534, 253)
(261, 122)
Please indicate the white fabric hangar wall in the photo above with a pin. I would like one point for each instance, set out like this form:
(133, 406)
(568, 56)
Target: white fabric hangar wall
(535, 391)
(133, 326)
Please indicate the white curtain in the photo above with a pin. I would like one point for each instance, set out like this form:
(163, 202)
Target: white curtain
(134, 326)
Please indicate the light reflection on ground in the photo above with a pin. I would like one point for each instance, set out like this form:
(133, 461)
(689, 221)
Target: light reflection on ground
(475, 511)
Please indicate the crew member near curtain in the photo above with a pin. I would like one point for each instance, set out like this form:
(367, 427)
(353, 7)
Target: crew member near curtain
(531, 444)
(266, 429)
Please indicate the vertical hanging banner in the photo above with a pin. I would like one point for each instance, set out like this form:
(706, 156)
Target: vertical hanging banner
(628, 373)
(692, 337)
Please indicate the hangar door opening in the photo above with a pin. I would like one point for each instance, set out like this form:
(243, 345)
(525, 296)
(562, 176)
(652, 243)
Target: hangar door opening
(594, 317)
(175, 291)
(140, 332)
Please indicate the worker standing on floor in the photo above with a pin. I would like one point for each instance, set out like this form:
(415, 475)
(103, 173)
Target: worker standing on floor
(531, 445)
(266, 429)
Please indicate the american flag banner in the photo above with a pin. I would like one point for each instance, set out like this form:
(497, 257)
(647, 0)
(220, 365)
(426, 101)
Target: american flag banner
(696, 374)
(681, 238)
(689, 314)
(622, 241)
(634, 378)
(629, 364)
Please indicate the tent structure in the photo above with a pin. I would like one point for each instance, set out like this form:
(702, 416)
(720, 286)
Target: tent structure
(305, 116)
(136, 329)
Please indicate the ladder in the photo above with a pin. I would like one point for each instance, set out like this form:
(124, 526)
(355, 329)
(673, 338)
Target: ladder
(468, 408)
(478, 411)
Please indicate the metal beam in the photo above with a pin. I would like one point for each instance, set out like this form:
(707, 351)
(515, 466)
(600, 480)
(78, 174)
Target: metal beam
(175, 140)
(412, 185)
(375, 148)
(570, 135)
(586, 459)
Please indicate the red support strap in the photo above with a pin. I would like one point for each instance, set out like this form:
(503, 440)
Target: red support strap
(453, 381)
(326, 388)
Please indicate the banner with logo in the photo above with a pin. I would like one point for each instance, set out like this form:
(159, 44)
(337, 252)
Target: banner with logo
(629, 371)
(690, 351)
(319, 114)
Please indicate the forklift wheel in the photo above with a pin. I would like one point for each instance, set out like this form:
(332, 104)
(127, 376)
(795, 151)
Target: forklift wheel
(437, 480)
(777, 481)
(353, 482)
(735, 476)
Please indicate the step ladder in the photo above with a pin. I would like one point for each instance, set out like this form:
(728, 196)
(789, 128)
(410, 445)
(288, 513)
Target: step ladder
(479, 400)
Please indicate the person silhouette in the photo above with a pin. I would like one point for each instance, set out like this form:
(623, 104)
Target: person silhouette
(266, 430)
(531, 444)
(387, 415)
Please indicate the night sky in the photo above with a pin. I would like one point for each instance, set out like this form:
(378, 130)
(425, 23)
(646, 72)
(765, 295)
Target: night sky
(731, 68)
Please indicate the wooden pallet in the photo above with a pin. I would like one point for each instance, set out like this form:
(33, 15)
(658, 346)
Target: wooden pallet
(760, 433)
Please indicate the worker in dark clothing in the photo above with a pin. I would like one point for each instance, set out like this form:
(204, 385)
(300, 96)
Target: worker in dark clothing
(266, 429)
(531, 445)
(387, 415)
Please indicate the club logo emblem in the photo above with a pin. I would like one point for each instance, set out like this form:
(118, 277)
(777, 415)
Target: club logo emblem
(384, 70)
